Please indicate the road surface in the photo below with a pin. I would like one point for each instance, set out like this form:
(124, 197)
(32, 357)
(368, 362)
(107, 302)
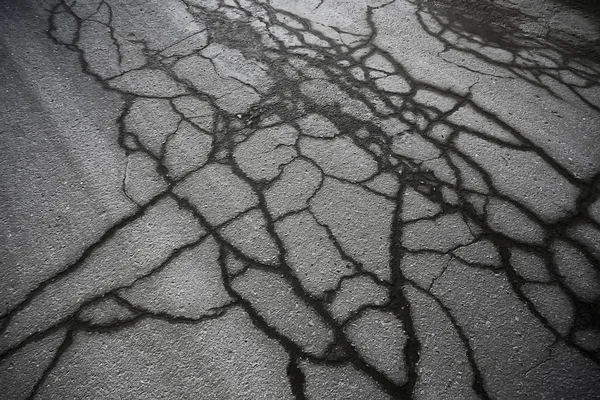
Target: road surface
(320, 199)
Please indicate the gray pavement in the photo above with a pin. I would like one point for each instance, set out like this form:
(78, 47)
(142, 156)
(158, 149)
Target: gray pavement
(320, 199)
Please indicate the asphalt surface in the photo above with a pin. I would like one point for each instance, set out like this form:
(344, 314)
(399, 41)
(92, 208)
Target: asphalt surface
(335, 199)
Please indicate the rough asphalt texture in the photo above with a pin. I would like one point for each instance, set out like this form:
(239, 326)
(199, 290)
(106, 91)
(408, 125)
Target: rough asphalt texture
(336, 199)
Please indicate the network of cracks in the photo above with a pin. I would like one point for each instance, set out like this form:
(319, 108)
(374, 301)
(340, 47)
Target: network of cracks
(331, 225)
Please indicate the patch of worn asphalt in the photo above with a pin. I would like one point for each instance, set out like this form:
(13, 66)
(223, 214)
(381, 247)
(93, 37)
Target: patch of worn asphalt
(250, 199)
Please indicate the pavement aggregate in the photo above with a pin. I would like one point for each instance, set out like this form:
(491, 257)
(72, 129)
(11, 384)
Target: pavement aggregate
(321, 199)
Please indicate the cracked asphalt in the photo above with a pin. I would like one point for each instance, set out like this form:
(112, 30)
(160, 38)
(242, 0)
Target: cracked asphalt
(319, 199)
